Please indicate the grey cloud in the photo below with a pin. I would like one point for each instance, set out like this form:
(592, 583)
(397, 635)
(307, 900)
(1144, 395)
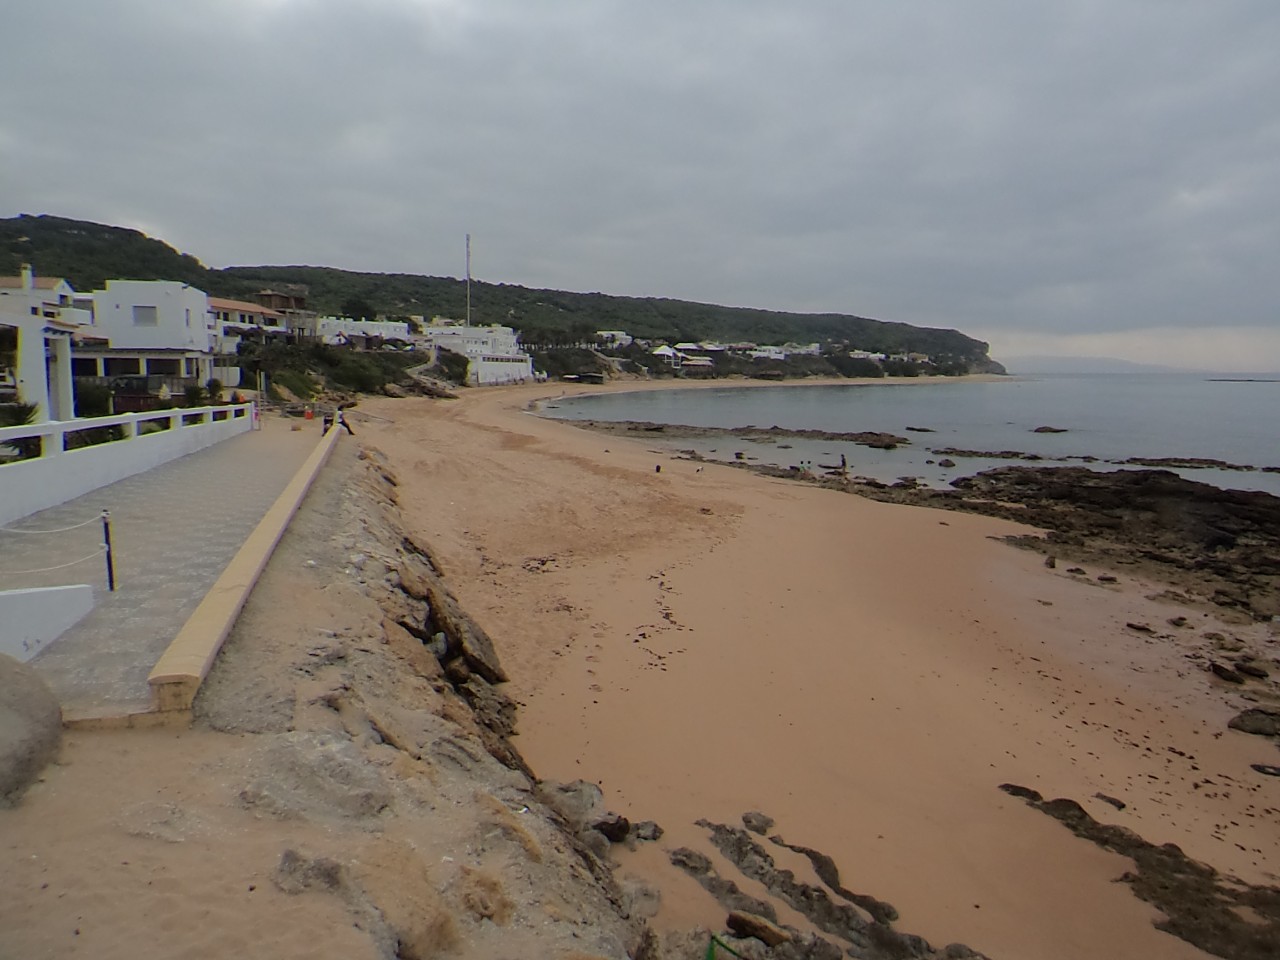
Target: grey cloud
(1069, 168)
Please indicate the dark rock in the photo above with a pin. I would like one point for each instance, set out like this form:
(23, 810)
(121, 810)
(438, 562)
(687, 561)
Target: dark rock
(947, 463)
(578, 801)
(30, 727)
(1022, 793)
(596, 842)
(828, 873)
(1140, 627)
(1225, 673)
(1267, 768)
(1051, 561)
(1251, 669)
(296, 873)
(647, 830)
(614, 827)
(750, 925)
(1177, 621)
(1220, 543)
(1257, 720)
(813, 902)
(1049, 430)
(1079, 571)
(493, 708)
(457, 671)
(1118, 804)
(726, 892)
(757, 822)
(691, 861)
(1222, 916)
(1107, 578)
(466, 638)
(958, 951)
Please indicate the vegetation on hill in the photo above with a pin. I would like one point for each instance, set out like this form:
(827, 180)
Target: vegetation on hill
(87, 254)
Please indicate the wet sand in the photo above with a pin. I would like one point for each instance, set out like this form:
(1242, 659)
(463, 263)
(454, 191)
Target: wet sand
(703, 642)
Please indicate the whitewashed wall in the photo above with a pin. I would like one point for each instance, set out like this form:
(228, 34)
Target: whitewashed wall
(30, 485)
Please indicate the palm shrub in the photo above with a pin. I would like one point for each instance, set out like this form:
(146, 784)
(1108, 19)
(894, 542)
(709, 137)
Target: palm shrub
(19, 415)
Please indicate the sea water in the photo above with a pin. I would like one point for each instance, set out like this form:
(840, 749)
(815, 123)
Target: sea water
(1107, 416)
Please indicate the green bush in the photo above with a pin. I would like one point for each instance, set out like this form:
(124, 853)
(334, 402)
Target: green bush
(93, 399)
(298, 382)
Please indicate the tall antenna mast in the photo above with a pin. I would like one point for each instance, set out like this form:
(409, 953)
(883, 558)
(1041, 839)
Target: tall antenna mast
(468, 279)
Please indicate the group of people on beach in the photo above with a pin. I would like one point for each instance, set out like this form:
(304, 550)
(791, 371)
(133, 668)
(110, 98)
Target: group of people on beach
(806, 467)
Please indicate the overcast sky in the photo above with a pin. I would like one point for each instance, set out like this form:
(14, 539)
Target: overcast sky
(1091, 177)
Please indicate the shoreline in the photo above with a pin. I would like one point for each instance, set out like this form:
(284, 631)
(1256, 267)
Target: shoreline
(684, 637)
(673, 383)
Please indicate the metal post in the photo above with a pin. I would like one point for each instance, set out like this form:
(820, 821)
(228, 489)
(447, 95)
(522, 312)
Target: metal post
(106, 542)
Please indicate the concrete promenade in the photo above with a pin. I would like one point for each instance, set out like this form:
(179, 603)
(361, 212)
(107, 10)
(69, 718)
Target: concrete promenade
(174, 529)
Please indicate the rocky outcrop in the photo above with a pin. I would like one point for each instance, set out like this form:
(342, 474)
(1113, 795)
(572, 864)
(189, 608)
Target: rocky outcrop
(315, 776)
(30, 727)
(873, 939)
(867, 438)
(1257, 720)
(750, 925)
(402, 793)
(1198, 905)
(1222, 544)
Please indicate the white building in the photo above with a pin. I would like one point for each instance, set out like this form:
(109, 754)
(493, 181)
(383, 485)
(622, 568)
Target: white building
(803, 349)
(614, 338)
(233, 321)
(338, 331)
(37, 322)
(160, 330)
(493, 351)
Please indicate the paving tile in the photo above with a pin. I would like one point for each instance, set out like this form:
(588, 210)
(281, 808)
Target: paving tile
(174, 529)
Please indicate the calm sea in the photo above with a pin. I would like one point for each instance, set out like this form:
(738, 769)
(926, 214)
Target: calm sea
(1109, 416)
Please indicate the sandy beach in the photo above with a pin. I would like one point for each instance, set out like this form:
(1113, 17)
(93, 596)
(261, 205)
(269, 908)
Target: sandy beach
(703, 642)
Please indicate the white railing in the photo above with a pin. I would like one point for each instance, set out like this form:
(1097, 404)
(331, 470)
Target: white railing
(68, 465)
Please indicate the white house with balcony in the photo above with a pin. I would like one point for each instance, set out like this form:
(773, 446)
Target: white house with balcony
(613, 339)
(493, 351)
(159, 331)
(37, 322)
(235, 321)
(340, 331)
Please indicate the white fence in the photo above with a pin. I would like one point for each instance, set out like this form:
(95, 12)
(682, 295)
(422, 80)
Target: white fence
(64, 470)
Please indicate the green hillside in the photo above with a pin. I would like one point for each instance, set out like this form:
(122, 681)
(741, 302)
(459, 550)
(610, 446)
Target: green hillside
(87, 254)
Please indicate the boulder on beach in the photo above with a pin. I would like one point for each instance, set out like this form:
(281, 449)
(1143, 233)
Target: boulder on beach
(745, 924)
(30, 727)
(1257, 720)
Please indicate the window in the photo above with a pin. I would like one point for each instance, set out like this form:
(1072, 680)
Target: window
(123, 366)
(164, 368)
(145, 316)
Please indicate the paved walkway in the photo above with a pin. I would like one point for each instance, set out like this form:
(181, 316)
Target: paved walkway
(173, 529)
